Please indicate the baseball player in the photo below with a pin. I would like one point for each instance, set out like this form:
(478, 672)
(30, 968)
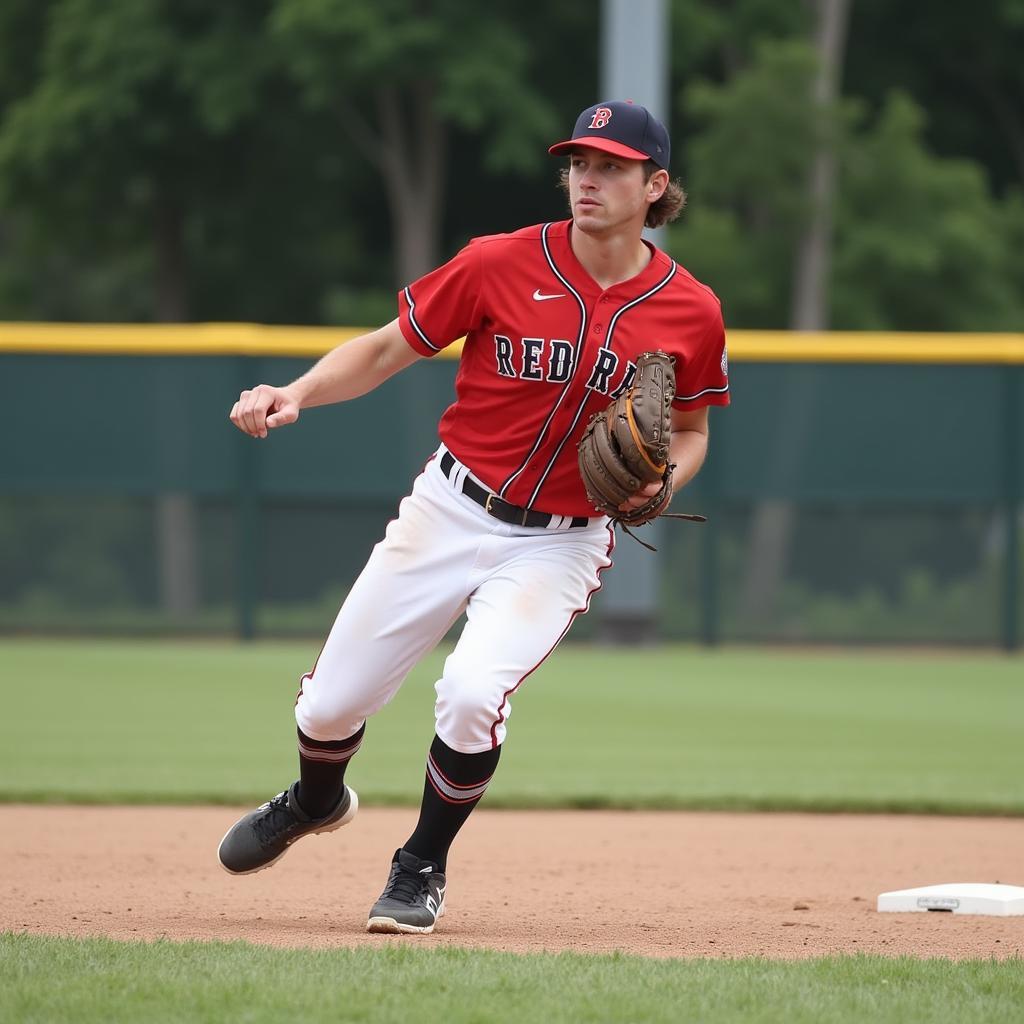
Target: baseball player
(498, 525)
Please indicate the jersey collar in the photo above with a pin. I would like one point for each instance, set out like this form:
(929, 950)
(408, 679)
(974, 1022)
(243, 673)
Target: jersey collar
(570, 266)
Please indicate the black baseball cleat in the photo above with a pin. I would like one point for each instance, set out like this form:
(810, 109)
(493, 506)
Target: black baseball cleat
(263, 836)
(413, 899)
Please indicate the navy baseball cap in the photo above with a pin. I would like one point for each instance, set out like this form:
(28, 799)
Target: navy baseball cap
(621, 128)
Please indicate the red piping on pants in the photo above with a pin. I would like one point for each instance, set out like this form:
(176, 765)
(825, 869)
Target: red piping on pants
(572, 618)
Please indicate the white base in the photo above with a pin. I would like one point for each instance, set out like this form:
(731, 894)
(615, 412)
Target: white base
(957, 898)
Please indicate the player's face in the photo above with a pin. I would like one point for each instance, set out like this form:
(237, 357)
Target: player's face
(608, 193)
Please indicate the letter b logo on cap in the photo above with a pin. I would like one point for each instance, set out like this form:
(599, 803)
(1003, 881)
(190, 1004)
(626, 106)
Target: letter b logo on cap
(601, 118)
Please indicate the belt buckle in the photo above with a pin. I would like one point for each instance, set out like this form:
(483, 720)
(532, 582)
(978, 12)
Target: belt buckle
(525, 512)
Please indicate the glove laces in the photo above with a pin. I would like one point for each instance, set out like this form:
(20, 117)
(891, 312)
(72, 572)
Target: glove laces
(687, 516)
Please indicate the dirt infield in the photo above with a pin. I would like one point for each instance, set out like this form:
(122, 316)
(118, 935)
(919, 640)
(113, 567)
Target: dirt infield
(659, 884)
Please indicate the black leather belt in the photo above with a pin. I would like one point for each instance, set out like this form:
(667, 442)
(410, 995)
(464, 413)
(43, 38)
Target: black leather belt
(499, 507)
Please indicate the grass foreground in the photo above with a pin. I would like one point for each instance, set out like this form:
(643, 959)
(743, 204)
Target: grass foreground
(206, 722)
(97, 980)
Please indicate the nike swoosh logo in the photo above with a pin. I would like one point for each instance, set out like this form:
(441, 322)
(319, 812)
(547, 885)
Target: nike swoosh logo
(435, 905)
(537, 297)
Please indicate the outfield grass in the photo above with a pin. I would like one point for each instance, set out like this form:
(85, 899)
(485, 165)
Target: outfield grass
(669, 727)
(97, 980)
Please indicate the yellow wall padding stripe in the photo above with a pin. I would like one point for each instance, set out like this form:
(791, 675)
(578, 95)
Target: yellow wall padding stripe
(172, 339)
(311, 342)
(872, 347)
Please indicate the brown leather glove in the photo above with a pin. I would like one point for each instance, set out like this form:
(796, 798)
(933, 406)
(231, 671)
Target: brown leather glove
(625, 446)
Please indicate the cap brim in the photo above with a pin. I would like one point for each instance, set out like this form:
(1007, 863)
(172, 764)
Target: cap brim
(605, 145)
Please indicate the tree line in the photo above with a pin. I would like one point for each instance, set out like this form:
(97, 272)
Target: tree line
(298, 160)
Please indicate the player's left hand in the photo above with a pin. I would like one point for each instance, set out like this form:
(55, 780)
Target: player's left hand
(641, 497)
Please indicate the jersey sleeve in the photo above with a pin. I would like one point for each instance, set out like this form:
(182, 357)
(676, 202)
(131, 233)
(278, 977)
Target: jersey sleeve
(704, 378)
(444, 305)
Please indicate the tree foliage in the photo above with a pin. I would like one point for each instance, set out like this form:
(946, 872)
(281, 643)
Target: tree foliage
(398, 75)
(962, 63)
(921, 243)
(475, 60)
(250, 159)
(127, 127)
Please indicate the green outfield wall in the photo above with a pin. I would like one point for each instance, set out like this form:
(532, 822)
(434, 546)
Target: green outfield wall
(893, 462)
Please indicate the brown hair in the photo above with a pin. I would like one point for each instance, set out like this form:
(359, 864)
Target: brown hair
(661, 211)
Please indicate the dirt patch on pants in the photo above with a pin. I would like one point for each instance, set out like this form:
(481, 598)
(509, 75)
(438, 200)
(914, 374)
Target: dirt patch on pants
(658, 884)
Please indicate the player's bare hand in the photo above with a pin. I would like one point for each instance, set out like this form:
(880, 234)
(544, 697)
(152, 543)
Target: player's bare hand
(641, 497)
(263, 408)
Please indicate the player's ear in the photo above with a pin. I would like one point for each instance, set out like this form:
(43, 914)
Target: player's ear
(656, 185)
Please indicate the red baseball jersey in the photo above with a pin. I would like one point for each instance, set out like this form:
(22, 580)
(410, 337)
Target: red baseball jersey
(546, 347)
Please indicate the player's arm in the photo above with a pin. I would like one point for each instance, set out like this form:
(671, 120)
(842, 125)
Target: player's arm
(347, 371)
(689, 444)
(687, 449)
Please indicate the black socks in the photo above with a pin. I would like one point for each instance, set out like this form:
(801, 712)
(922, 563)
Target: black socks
(322, 767)
(454, 784)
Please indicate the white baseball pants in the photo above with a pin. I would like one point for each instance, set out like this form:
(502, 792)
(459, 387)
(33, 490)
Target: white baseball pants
(520, 587)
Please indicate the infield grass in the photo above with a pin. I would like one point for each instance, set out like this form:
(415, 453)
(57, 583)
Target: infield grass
(671, 727)
(97, 981)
